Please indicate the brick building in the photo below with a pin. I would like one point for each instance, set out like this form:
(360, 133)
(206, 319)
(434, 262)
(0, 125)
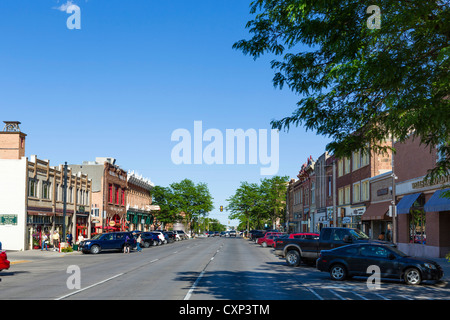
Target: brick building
(109, 194)
(139, 202)
(353, 184)
(423, 217)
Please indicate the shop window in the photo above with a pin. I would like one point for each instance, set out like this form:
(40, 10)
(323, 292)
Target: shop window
(356, 160)
(347, 166)
(32, 187)
(340, 168)
(356, 192)
(46, 190)
(110, 194)
(365, 194)
(347, 195)
(417, 221)
(341, 196)
(117, 194)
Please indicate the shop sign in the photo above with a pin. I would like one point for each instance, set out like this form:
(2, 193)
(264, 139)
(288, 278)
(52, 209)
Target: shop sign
(8, 219)
(429, 182)
(347, 220)
(112, 223)
(358, 211)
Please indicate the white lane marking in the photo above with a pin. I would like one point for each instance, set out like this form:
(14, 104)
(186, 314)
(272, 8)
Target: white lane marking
(315, 293)
(336, 294)
(91, 286)
(191, 290)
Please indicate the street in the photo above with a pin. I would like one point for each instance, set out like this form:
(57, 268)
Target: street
(213, 268)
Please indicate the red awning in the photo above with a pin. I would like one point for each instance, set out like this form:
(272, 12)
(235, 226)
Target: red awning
(377, 211)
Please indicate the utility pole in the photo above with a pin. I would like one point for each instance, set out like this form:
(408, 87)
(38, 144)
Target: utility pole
(394, 207)
(334, 195)
(64, 203)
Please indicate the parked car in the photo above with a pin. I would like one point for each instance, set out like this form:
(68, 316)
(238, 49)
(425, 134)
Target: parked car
(255, 234)
(150, 239)
(161, 236)
(267, 240)
(295, 250)
(106, 241)
(173, 235)
(354, 260)
(232, 233)
(4, 262)
(182, 234)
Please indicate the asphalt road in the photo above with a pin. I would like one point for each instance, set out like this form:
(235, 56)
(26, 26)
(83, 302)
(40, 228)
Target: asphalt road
(197, 269)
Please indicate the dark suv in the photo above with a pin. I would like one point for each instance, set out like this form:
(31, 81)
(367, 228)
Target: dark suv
(106, 241)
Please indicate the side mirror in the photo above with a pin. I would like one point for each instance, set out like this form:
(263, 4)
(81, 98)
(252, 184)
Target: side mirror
(391, 256)
(348, 239)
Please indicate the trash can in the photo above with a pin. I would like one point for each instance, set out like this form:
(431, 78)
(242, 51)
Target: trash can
(75, 247)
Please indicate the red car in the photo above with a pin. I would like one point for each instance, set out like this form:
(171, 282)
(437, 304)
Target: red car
(4, 263)
(267, 240)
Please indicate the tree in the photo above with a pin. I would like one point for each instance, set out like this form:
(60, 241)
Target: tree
(258, 204)
(273, 194)
(164, 197)
(360, 85)
(243, 203)
(193, 200)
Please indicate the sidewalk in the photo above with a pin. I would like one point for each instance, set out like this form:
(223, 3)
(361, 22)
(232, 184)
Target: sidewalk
(16, 257)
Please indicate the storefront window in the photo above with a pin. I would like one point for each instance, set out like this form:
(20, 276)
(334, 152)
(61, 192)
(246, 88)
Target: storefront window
(417, 223)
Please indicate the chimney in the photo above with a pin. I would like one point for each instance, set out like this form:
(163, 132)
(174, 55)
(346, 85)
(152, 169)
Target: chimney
(12, 141)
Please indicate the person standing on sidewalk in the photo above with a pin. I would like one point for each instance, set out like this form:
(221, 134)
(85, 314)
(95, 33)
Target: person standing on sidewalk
(44, 242)
(55, 240)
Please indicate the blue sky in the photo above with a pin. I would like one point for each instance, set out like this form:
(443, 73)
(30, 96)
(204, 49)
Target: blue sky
(135, 72)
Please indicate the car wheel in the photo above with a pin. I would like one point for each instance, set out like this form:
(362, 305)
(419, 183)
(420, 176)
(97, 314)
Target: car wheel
(412, 276)
(264, 244)
(146, 244)
(95, 249)
(293, 258)
(338, 272)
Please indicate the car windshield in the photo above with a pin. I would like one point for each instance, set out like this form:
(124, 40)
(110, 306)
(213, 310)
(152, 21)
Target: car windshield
(398, 252)
(97, 236)
(358, 234)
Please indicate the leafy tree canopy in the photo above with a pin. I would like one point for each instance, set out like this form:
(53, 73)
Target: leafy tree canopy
(359, 85)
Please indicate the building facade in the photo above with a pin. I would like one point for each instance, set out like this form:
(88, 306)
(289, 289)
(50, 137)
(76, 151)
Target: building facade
(109, 194)
(140, 212)
(31, 197)
(353, 184)
(423, 214)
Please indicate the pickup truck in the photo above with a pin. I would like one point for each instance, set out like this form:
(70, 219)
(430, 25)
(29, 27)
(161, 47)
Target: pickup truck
(296, 250)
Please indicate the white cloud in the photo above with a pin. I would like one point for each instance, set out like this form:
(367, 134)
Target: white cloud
(64, 6)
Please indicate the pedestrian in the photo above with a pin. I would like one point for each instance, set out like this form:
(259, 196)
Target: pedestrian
(55, 239)
(80, 239)
(138, 244)
(44, 242)
(69, 238)
(381, 236)
(126, 247)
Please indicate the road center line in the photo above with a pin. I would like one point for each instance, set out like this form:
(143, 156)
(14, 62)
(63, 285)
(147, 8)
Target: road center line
(91, 286)
(191, 290)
